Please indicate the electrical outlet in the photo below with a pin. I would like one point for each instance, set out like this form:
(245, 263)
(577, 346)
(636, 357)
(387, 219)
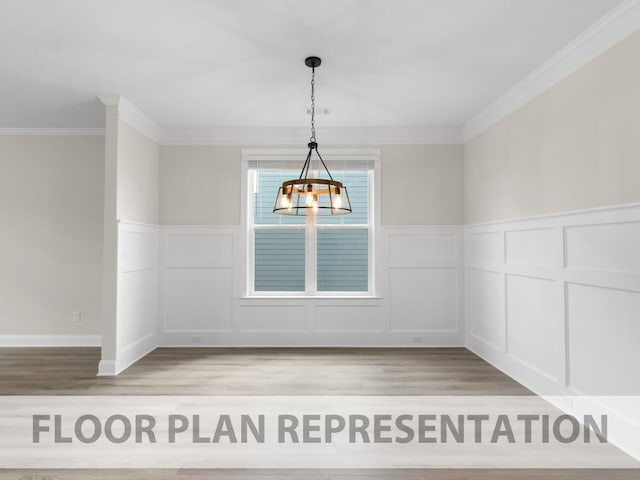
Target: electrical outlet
(196, 339)
(77, 317)
(417, 339)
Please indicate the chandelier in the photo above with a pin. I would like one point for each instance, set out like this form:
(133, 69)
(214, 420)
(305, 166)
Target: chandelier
(308, 194)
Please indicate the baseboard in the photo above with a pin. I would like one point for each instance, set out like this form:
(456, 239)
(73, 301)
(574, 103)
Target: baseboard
(107, 368)
(110, 368)
(136, 351)
(311, 339)
(50, 340)
(128, 356)
(323, 346)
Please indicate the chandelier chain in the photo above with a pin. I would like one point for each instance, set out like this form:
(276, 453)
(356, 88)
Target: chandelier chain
(313, 105)
(315, 194)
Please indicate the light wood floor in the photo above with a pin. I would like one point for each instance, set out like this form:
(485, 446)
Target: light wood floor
(207, 371)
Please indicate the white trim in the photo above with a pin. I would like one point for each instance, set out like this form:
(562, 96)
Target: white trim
(150, 345)
(299, 135)
(298, 154)
(54, 132)
(610, 29)
(310, 257)
(109, 100)
(133, 116)
(309, 295)
(50, 340)
(549, 216)
(106, 368)
(254, 136)
(381, 346)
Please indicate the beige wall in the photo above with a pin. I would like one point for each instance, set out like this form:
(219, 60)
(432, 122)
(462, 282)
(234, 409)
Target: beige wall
(200, 185)
(137, 176)
(575, 146)
(421, 184)
(196, 180)
(51, 233)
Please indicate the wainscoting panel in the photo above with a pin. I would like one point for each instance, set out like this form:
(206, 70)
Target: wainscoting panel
(604, 335)
(484, 247)
(272, 318)
(137, 310)
(532, 323)
(552, 301)
(566, 296)
(199, 249)
(485, 303)
(423, 299)
(530, 247)
(198, 299)
(413, 249)
(417, 301)
(609, 248)
(424, 283)
(349, 318)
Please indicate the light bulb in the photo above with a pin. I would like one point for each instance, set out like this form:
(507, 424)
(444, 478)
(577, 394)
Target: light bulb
(309, 199)
(284, 201)
(337, 201)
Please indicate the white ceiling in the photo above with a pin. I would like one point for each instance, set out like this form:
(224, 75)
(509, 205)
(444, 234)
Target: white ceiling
(239, 63)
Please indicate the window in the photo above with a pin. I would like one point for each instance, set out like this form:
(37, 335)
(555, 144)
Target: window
(325, 256)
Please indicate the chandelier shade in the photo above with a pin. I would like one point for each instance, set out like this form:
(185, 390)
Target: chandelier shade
(308, 194)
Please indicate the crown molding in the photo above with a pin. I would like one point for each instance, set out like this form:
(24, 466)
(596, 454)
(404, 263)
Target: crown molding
(133, 116)
(609, 30)
(53, 131)
(294, 135)
(256, 136)
(109, 100)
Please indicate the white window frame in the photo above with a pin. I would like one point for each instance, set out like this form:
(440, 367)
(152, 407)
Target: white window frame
(296, 157)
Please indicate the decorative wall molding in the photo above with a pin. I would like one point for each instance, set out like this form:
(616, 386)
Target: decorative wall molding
(203, 301)
(609, 30)
(137, 296)
(66, 132)
(254, 155)
(257, 136)
(50, 340)
(553, 302)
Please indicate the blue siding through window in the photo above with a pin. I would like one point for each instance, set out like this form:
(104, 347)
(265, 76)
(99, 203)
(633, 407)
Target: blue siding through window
(279, 261)
(343, 260)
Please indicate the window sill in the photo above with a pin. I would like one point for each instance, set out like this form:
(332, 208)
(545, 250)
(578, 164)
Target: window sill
(310, 297)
